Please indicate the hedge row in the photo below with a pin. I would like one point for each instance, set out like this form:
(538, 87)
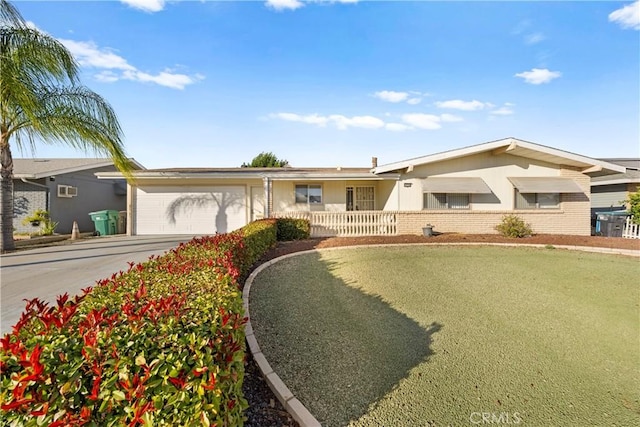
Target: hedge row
(159, 344)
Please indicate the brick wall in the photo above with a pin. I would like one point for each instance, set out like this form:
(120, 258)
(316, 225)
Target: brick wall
(27, 199)
(470, 222)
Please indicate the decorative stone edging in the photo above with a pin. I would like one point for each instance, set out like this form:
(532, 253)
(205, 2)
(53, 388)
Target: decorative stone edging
(297, 410)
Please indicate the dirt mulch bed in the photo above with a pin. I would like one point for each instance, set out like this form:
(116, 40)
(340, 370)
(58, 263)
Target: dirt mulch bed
(284, 248)
(266, 411)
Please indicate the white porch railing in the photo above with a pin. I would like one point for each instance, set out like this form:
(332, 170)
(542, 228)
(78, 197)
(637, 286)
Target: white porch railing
(347, 223)
(631, 229)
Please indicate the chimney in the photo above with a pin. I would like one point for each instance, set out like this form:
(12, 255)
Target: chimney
(374, 162)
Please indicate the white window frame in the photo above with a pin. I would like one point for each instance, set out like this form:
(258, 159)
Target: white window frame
(67, 191)
(446, 201)
(318, 199)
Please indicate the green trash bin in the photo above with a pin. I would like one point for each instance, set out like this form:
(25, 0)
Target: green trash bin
(105, 222)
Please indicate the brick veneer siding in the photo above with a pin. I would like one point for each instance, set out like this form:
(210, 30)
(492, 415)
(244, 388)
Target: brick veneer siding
(573, 217)
(27, 199)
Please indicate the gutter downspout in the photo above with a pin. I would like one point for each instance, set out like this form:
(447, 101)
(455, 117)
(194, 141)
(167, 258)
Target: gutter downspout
(267, 193)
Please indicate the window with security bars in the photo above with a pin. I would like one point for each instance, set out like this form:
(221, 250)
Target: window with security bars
(361, 198)
(536, 200)
(432, 201)
(365, 199)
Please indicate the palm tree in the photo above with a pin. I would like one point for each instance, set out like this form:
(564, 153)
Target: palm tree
(41, 100)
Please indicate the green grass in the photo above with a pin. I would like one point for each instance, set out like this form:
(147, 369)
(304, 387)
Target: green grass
(435, 335)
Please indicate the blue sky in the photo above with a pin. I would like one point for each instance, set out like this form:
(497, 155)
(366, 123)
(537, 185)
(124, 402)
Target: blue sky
(333, 83)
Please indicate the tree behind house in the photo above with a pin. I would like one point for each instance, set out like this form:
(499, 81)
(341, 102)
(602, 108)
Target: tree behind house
(266, 160)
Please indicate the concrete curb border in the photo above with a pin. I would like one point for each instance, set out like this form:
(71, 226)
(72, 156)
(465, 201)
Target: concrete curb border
(297, 410)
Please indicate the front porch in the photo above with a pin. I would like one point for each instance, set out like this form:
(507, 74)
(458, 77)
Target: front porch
(347, 223)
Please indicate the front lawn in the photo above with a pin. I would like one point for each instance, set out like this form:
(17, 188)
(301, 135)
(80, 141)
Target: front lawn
(454, 335)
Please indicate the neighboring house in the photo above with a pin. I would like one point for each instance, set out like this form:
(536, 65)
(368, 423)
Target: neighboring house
(609, 192)
(67, 188)
(467, 190)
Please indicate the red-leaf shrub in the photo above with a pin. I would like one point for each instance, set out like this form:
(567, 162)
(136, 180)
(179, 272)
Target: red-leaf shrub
(161, 344)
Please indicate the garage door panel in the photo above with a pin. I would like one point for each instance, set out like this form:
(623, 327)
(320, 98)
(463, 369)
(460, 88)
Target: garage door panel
(190, 210)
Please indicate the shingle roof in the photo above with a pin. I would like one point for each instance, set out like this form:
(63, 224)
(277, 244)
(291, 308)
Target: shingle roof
(631, 176)
(39, 168)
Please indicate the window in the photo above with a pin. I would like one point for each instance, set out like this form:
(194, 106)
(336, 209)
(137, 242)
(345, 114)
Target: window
(445, 201)
(537, 200)
(67, 191)
(311, 194)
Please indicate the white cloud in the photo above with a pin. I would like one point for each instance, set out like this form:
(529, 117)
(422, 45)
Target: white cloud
(165, 78)
(391, 96)
(457, 104)
(338, 120)
(538, 75)
(107, 77)
(411, 97)
(502, 111)
(284, 4)
(534, 38)
(90, 55)
(312, 119)
(410, 121)
(422, 121)
(367, 122)
(146, 5)
(627, 16)
(397, 127)
(450, 118)
(296, 4)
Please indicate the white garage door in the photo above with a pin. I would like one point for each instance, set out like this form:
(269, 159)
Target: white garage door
(190, 210)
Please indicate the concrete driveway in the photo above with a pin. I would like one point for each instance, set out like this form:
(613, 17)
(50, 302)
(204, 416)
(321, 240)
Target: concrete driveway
(48, 272)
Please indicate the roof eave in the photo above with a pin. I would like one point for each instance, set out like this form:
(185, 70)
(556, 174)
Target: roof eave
(510, 146)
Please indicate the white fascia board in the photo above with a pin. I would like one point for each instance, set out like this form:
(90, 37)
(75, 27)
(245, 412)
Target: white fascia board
(445, 155)
(252, 175)
(493, 145)
(180, 175)
(571, 156)
(616, 181)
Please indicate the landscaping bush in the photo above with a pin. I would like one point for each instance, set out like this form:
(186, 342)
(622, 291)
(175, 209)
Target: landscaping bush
(633, 203)
(159, 344)
(259, 237)
(293, 229)
(513, 226)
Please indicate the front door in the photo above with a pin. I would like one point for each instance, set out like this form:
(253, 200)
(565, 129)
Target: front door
(257, 203)
(360, 198)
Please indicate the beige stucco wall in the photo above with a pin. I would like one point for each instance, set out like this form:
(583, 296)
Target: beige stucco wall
(387, 196)
(573, 216)
(493, 169)
(334, 195)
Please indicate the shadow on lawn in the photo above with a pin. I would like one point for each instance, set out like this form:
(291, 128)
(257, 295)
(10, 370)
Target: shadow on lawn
(337, 348)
